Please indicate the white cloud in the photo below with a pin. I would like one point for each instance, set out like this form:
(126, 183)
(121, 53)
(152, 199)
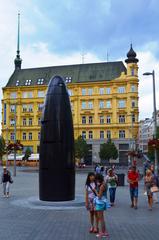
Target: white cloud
(147, 63)
(38, 55)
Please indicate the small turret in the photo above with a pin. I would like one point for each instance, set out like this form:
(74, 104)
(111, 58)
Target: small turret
(131, 56)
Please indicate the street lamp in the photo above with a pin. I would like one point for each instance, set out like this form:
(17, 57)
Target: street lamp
(154, 114)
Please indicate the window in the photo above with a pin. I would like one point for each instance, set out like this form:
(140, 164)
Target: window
(121, 118)
(108, 119)
(40, 81)
(13, 95)
(108, 134)
(40, 107)
(121, 133)
(133, 103)
(90, 135)
(68, 79)
(12, 136)
(70, 92)
(83, 105)
(90, 91)
(101, 134)
(41, 94)
(30, 136)
(121, 89)
(101, 119)
(30, 107)
(27, 82)
(24, 122)
(101, 91)
(108, 104)
(90, 105)
(108, 90)
(24, 136)
(12, 108)
(101, 104)
(38, 135)
(30, 94)
(132, 72)
(12, 121)
(90, 119)
(133, 118)
(39, 121)
(83, 120)
(133, 88)
(30, 122)
(24, 108)
(84, 134)
(17, 83)
(83, 91)
(121, 104)
(27, 94)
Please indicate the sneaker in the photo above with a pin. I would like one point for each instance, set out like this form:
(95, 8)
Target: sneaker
(95, 230)
(105, 234)
(99, 235)
(91, 230)
(102, 235)
(132, 205)
(135, 207)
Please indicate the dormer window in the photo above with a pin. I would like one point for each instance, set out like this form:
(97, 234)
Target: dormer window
(17, 83)
(68, 79)
(40, 81)
(28, 82)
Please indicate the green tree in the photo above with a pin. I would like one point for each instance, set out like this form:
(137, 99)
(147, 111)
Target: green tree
(151, 153)
(108, 151)
(81, 148)
(2, 147)
(27, 153)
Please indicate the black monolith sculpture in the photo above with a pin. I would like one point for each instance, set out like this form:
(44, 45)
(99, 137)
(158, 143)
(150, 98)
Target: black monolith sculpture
(57, 166)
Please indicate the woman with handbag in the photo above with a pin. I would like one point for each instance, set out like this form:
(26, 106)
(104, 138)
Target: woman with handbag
(89, 198)
(101, 205)
(149, 183)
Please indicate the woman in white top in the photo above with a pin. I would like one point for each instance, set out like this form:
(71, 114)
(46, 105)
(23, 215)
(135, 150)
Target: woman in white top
(89, 197)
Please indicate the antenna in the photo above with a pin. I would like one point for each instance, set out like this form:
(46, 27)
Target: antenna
(83, 56)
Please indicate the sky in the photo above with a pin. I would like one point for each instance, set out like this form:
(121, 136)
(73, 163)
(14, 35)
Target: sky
(60, 32)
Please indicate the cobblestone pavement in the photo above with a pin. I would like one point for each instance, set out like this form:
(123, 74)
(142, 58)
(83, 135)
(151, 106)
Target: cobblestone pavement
(123, 223)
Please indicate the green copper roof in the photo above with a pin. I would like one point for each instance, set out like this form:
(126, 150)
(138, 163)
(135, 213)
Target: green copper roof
(72, 73)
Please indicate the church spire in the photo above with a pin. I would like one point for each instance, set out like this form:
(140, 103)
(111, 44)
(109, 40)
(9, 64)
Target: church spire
(18, 60)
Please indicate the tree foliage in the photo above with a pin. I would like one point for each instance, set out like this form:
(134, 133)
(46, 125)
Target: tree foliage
(108, 151)
(27, 153)
(81, 148)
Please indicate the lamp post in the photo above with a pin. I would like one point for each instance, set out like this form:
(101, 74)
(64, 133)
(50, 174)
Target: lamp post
(154, 113)
(15, 130)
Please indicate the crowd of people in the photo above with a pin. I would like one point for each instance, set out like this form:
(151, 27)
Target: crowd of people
(100, 193)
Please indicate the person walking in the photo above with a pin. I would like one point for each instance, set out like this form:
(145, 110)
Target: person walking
(100, 205)
(156, 182)
(6, 179)
(133, 179)
(149, 182)
(112, 180)
(90, 194)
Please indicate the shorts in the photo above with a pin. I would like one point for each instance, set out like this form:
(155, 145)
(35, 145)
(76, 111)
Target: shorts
(134, 192)
(91, 206)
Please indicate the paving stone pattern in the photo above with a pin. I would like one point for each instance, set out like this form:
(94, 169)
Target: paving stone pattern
(123, 223)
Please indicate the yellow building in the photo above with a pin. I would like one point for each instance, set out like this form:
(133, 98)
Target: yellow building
(104, 100)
